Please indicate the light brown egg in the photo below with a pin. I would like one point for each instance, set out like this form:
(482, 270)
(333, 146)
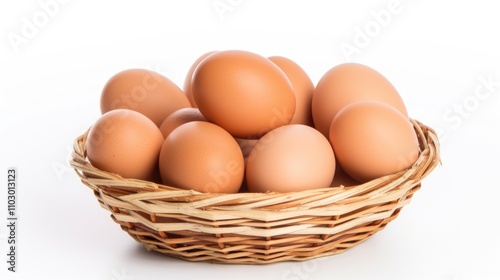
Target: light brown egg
(341, 178)
(246, 145)
(303, 88)
(202, 156)
(125, 142)
(346, 83)
(372, 139)
(290, 158)
(178, 118)
(144, 91)
(244, 93)
(187, 81)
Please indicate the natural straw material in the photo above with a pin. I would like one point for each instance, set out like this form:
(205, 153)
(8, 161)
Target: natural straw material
(255, 228)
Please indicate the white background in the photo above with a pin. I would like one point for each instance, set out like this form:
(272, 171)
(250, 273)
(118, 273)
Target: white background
(436, 54)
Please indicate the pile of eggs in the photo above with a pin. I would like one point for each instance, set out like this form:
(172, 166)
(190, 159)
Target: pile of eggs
(247, 123)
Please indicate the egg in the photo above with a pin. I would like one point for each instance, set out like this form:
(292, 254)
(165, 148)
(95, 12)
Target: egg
(125, 142)
(201, 156)
(341, 178)
(303, 88)
(346, 83)
(178, 118)
(290, 158)
(246, 145)
(187, 81)
(372, 139)
(144, 91)
(243, 92)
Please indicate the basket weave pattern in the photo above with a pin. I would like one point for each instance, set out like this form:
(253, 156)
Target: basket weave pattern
(255, 228)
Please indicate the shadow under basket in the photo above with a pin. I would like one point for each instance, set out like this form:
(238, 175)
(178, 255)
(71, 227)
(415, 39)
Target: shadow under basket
(255, 228)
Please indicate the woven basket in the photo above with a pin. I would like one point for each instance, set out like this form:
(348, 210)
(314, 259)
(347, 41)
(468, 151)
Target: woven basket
(255, 228)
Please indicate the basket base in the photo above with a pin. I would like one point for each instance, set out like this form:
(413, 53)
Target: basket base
(233, 249)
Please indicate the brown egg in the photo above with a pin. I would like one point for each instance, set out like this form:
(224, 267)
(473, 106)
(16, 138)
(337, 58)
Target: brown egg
(125, 142)
(178, 118)
(342, 178)
(144, 91)
(346, 83)
(290, 158)
(246, 145)
(202, 156)
(372, 139)
(303, 88)
(188, 79)
(244, 93)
